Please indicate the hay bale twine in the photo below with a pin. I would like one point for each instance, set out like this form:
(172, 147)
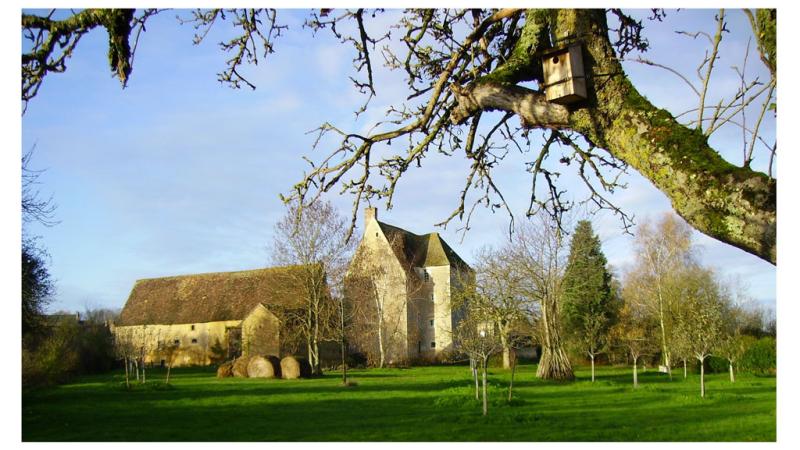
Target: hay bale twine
(264, 367)
(225, 370)
(295, 367)
(240, 367)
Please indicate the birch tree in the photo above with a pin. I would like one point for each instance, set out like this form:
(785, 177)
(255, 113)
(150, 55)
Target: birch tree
(314, 239)
(663, 250)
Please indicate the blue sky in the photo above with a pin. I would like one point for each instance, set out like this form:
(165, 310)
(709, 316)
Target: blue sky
(178, 174)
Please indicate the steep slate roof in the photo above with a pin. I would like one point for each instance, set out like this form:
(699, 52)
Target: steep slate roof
(209, 297)
(420, 251)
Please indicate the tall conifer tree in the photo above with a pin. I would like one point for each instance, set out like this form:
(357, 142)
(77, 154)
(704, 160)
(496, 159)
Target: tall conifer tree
(589, 306)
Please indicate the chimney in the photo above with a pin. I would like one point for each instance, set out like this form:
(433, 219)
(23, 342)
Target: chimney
(370, 213)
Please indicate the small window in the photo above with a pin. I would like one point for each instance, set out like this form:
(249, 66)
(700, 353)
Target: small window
(427, 277)
(433, 344)
(431, 322)
(177, 342)
(194, 341)
(192, 327)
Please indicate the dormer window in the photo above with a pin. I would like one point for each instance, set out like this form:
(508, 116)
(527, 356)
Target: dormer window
(194, 341)
(177, 342)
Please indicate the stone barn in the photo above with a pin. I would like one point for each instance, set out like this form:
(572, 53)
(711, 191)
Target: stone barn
(207, 318)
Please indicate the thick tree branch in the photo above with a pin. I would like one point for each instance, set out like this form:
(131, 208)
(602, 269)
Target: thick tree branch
(531, 106)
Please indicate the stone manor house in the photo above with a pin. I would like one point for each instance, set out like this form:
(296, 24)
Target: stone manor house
(209, 318)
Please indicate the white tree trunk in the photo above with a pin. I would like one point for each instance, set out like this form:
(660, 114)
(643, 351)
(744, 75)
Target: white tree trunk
(592, 358)
(684, 369)
(730, 368)
(635, 374)
(506, 354)
(485, 404)
(127, 374)
(474, 363)
(702, 379)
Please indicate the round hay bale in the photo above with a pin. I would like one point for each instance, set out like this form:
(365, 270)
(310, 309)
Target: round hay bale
(295, 367)
(240, 367)
(264, 367)
(225, 370)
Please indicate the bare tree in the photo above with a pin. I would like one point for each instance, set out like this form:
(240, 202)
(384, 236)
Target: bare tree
(476, 335)
(538, 252)
(663, 250)
(500, 283)
(313, 238)
(633, 331)
(385, 291)
(125, 349)
(737, 314)
(700, 322)
(169, 350)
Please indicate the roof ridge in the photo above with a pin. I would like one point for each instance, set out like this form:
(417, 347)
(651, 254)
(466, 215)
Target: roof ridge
(232, 272)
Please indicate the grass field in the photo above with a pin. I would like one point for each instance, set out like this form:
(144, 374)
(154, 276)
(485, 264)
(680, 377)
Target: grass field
(417, 404)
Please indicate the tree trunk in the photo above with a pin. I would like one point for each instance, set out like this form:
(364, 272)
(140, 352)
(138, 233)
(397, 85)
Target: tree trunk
(591, 356)
(485, 404)
(684, 368)
(474, 363)
(730, 368)
(136, 366)
(513, 370)
(554, 363)
(127, 374)
(635, 374)
(664, 347)
(343, 348)
(380, 340)
(506, 354)
(144, 372)
(702, 379)
(169, 367)
(317, 361)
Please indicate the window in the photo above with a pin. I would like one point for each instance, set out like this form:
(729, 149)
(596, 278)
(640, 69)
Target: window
(431, 322)
(427, 277)
(433, 344)
(177, 342)
(192, 327)
(194, 341)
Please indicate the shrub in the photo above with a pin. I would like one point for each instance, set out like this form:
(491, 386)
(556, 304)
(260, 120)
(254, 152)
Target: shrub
(761, 357)
(64, 349)
(716, 364)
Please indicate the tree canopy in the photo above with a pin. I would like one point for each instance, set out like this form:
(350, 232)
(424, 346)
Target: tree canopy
(461, 64)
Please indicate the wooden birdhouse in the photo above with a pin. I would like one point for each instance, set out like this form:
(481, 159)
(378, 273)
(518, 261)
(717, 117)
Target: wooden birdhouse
(564, 79)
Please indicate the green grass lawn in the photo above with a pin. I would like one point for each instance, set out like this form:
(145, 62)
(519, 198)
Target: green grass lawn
(417, 404)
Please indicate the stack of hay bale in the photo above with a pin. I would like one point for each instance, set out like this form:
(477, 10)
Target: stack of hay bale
(258, 366)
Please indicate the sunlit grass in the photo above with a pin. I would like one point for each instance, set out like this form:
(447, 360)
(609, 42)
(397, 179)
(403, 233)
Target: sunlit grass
(417, 404)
